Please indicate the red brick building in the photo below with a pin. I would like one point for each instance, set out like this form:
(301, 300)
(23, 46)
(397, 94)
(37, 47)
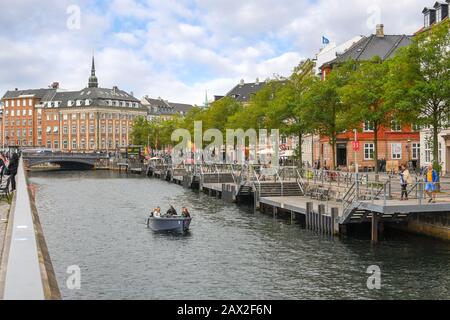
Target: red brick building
(91, 119)
(397, 144)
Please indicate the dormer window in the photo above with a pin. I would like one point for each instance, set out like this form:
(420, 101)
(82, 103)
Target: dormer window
(429, 17)
(427, 20)
(439, 14)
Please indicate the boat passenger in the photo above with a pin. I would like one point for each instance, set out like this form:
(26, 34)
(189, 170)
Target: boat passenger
(171, 211)
(157, 212)
(185, 213)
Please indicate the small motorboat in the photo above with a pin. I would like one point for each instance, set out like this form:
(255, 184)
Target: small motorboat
(169, 223)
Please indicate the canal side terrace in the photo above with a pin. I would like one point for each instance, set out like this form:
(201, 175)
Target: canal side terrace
(329, 202)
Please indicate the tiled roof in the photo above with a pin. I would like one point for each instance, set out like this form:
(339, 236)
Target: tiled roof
(244, 91)
(369, 47)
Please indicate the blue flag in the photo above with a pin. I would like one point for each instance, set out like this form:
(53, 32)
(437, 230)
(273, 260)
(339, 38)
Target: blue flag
(325, 40)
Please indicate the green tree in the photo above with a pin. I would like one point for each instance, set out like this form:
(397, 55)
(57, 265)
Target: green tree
(288, 109)
(324, 110)
(419, 83)
(364, 95)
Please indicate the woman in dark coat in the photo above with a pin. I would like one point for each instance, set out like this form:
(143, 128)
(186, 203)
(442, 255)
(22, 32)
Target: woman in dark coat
(12, 168)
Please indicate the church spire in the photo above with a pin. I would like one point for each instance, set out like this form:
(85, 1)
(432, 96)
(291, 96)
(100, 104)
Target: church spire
(93, 81)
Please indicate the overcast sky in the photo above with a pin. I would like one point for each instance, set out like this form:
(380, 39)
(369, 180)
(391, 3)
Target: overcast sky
(179, 49)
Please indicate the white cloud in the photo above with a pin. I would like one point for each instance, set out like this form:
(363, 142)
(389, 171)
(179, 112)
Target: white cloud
(177, 49)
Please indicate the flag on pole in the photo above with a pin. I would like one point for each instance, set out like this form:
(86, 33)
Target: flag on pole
(325, 40)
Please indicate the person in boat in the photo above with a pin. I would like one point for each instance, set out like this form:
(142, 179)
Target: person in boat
(185, 213)
(171, 211)
(157, 212)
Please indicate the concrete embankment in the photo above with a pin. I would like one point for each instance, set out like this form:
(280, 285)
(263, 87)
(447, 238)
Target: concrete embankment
(26, 271)
(435, 226)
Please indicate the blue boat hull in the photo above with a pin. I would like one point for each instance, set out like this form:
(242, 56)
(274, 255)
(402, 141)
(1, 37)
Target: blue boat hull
(178, 224)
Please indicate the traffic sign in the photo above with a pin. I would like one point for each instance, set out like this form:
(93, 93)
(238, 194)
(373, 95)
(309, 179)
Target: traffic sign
(356, 145)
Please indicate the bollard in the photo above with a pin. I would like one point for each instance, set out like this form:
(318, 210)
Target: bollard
(309, 209)
(321, 215)
(334, 226)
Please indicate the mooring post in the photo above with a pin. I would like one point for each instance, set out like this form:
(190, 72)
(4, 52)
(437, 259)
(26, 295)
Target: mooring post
(321, 217)
(309, 209)
(334, 226)
(374, 227)
(292, 217)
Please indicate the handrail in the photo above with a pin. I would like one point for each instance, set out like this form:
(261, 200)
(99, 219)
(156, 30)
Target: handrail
(300, 181)
(258, 193)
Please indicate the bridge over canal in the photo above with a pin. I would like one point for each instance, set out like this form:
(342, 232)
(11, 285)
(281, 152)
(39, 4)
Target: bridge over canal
(66, 160)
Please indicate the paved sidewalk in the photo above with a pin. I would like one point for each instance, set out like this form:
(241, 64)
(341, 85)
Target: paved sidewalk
(4, 209)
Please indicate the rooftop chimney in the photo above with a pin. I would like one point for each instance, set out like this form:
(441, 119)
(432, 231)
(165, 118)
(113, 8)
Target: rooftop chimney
(380, 31)
(242, 82)
(115, 89)
(257, 81)
(54, 85)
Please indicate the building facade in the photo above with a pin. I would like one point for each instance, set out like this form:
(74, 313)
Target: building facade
(161, 110)
(432, 17)
(92, 119)
(397, 144)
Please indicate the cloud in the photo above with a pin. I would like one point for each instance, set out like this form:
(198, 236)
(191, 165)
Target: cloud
(178, 49)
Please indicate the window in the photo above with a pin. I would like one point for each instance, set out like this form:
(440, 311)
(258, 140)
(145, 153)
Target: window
(30, 122)
(91, 144)
(30, 112)
(369, 150)
(83, 116)
(39, 142)
(48, 117)
(74, 144)
(91, 116)
(83, 144)
(439, 14)
(55, 117)
(83, 129)
(49, 144)
(396, 151)
(55, 129)
(396, 126)
(24, 112)
(30, 102)
(415, 151)
(74, 116)
(12, 113)
(7, 103)
(49, 129)
(74, 129)
(91, 129)
(65, 144)
(65, 131)
(18, 103)
(30, 132)
(427, 20)
(56, 144)
(65, 117)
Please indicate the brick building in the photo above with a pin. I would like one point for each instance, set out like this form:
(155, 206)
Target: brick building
(92, 119)
(398, 143)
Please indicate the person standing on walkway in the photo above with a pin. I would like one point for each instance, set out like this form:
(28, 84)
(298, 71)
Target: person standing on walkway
(431, 179)
(405, 180)
(12, 168)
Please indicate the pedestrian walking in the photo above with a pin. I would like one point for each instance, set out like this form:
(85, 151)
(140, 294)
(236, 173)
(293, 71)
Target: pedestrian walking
(431, 179)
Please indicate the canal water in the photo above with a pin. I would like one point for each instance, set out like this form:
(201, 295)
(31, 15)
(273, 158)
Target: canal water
(97, 221)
